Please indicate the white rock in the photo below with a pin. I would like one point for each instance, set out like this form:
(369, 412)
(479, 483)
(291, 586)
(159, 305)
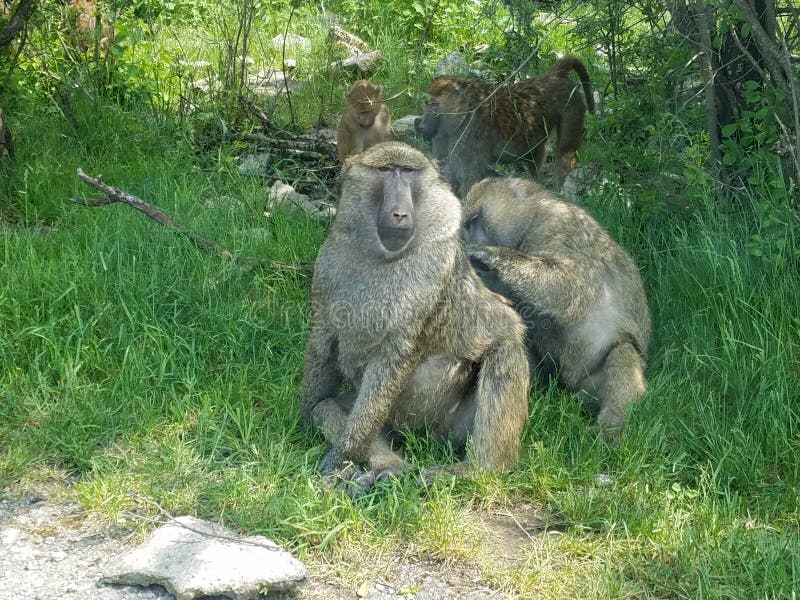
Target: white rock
(190, 557)
(9, 535)
(452, 65)
(294, 43)
(282, 195)
(360, 62)
(255, 165)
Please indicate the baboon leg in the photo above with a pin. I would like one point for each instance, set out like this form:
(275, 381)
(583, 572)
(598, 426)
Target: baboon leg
(570, 136)
(537, 163)
(501, 406)
(330, 416)
(617, 385)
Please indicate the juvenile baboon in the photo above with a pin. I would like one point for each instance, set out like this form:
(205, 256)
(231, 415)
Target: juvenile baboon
(578, 292)
(398, 312)
(471, 126)
(365, 120)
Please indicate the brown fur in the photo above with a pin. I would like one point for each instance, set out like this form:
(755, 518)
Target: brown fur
(472, 126)
(579, 293)
(365, 120)
(422, 340)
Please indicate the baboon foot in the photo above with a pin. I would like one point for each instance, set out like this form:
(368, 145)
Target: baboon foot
(611, 419)
(429, 475)
(355, 481)
(333, 461)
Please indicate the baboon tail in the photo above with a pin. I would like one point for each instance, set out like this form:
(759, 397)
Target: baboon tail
(564, 65)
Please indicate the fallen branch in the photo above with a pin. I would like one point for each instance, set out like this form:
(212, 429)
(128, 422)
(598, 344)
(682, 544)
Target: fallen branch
(114, 195)
(284, 139)
(314, 149)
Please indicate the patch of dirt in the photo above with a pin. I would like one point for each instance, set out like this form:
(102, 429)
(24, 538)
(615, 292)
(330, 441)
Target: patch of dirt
(50, 550)
(509, 533)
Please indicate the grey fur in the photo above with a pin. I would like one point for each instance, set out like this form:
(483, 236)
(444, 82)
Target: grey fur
(579, 293)
(422, 340)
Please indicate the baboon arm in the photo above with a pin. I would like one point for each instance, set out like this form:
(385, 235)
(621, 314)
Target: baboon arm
(321, 376)
(331, 420)
(344, 139)
(383, 381)
(554, 284)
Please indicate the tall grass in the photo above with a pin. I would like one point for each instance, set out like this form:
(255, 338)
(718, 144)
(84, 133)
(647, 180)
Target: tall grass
(153, 371)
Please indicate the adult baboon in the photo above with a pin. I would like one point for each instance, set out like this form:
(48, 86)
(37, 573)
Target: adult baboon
(365, 120)
(398, 312)
(579, 294)
(471, 126)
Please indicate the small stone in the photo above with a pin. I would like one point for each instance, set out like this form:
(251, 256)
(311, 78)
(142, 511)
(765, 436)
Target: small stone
(255, 165)
(365, 62)
(294, 43)
(403, 128)
(282, 195)
(452, 65)
(191, 557)
(58, 555)
(603, 479)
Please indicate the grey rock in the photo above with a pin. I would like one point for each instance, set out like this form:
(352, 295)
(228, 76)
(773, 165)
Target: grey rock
(579, 183)
(403, 128)
(255, 165)
(283, 196)
(294, 43)
(365, 63)
(272, 82)
(191, 557)
(452, 65)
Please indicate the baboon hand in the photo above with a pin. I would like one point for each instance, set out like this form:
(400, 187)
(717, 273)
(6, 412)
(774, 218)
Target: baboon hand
(480, 255)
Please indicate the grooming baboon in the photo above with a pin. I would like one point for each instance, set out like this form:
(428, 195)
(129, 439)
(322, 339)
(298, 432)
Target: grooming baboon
(472, 126)
(579, 294)
(365, 120)
(398, 312)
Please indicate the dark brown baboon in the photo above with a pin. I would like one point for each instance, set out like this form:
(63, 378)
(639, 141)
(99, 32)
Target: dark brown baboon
(365, 120)
(398, 312)
(472, 126)
(579, 294)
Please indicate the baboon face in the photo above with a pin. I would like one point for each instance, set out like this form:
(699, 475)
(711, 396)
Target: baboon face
(390, 185)
(381, 206)
(365, 97)
(392, 195)
(476, 232)
(427, 125)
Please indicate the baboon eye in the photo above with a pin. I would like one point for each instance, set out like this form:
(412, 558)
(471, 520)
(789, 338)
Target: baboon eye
(384, 169)
(474, 218)
(407, 169)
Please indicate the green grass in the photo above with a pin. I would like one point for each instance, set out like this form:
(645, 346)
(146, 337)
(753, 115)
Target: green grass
(154, 372)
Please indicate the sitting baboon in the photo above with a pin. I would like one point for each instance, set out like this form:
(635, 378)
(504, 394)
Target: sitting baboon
(578, 292)
(398, 312)
(365, 120)
(471, 126)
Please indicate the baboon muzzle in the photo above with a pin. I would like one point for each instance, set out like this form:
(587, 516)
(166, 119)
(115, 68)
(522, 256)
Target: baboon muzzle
(396, 218)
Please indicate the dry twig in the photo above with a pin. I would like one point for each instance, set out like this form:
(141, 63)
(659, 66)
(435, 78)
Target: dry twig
(114, 195)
